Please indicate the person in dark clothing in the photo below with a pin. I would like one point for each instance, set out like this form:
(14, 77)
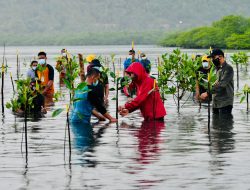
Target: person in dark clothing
(38, 102)
(223, 90)
(203, 70)
(88, 100)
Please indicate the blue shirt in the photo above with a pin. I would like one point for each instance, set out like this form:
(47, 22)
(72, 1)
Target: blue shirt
(128, 62)
(82, 108)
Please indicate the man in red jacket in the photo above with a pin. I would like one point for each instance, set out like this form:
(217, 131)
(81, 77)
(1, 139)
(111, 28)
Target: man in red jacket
(148, 98)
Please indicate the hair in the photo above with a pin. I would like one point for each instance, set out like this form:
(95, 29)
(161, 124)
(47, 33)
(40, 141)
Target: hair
(92, 72)
(34, 61)
(42, 53)
(132, 51)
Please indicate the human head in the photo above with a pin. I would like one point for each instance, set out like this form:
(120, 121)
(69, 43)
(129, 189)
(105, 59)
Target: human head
(205, 62)
(217, 56)
(93, 75)
(33, 63)
(143, 56)
(42, 57)
(131, 53)
(64, 52)
(33, 84)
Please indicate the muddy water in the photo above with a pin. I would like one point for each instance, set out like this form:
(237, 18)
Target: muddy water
(132, 154)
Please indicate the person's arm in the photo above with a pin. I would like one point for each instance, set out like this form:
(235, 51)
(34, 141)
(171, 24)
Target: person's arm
(225, 80)
(97, 103)
(106, 92)
(51, 79)
(140, 98)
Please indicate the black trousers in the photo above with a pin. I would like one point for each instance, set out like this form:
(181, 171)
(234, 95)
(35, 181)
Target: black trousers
(223, 110)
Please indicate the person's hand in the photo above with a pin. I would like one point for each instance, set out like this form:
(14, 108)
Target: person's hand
(204, 96)
(120, 108)
(124, 112)
(113, 120)
(130, 99)
(43, 110)
(106, 100)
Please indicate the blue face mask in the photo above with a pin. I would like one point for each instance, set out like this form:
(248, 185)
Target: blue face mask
(95, 83)
(41, 61)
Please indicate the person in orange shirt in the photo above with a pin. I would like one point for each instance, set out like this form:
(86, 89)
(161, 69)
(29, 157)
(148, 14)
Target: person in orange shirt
(45, 73)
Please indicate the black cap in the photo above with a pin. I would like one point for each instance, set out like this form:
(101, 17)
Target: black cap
(131, 51)
(96, 63)
(216, 52)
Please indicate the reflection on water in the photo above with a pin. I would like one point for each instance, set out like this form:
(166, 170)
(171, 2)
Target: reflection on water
(148, 137)
(222, 136)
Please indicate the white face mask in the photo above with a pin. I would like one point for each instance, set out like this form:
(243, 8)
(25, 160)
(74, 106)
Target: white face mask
(95, 83)
(64, 54)
(144, 58)
(34, 68)
(205, 64)
(41, 61)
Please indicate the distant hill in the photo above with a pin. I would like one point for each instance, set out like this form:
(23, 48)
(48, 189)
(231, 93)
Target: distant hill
(75, 21)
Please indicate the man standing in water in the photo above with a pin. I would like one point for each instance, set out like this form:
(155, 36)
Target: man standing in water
(223, 89)
(45, 74)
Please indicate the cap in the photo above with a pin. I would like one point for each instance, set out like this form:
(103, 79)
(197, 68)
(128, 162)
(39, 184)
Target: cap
(131, 51)
(205, 58)
(96, 63)
(90, 58)
(216, 52)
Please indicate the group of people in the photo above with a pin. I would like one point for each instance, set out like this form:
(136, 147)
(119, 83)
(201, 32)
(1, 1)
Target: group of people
(147, 98)
(222, 93)
(93, 99)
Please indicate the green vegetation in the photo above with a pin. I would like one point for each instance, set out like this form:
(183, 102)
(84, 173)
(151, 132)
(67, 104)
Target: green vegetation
(230, 32)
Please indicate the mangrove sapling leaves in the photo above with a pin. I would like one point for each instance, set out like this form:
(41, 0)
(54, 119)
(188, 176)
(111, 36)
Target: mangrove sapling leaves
(112, 89)
(112, 74)
(114, 98)
(67, 83)
(242, 99)
(57, 112)
(81, 86)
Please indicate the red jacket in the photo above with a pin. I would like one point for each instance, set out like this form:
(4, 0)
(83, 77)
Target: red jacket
(150, 104)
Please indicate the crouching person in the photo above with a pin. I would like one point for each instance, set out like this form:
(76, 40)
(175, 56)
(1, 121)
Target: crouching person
(148, 98)
(88, 100)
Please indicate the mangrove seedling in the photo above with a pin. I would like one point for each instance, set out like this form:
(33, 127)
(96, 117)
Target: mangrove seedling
(245, 95)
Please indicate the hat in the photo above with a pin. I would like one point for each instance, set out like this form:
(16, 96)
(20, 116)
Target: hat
(96, 63)
(131, 51)
(216, 52)
(205, 58)
(90, 57)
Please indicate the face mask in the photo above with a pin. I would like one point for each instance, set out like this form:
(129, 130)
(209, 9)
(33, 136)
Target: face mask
(41, 61)
(64, 54)
(34, 68)
(216, 62)
(144, 58)
(205, 64)
(95, 83)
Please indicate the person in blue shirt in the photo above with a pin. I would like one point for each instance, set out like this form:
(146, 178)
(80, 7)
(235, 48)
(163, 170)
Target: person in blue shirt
(131, 59)
(88, 100)
(145, 62)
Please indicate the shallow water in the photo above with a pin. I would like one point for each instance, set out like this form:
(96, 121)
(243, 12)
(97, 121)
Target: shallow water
(132, 154)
